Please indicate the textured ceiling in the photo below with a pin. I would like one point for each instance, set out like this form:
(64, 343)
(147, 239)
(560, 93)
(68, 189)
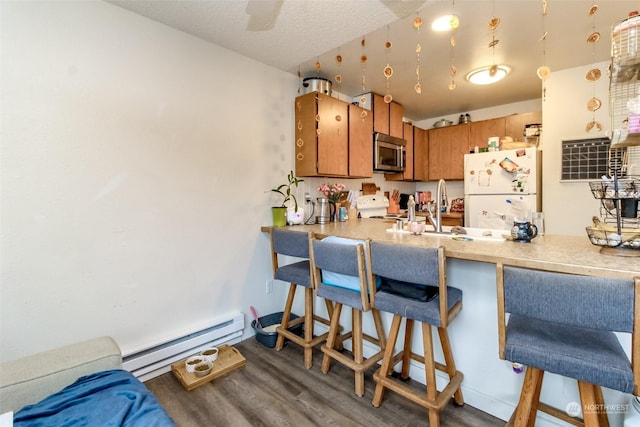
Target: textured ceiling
(294, 35)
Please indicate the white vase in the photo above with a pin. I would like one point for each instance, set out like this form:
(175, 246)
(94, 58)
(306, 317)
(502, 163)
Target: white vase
(293, 217)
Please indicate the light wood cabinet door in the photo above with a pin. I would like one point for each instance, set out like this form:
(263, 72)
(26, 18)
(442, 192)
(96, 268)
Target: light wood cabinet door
(333, 136)
(515, 124)
(447, 147)
(479, 132)
(396, 124)
(360, 142)
(420, 154)
(380, 114)
(322, 137)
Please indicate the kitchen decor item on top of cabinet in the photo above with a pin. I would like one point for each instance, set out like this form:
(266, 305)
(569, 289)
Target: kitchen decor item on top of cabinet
(442, 123)
(317, 84)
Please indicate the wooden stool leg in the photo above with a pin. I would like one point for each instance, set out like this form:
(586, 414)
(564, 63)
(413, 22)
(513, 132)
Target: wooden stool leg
(588, 401)
(358, 356)
(308, 327)
(523, 413)
(449, 362)
(331, 339)
(406, 350)
(602, 412)
(385, 370)
(430, 371)
(380, 332)
(535, 401)
(285, 315)
(338, 344)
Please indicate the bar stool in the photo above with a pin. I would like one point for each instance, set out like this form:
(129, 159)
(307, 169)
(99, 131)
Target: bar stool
(564, 324)
(414, 288)
(341, 275)
(296, 244)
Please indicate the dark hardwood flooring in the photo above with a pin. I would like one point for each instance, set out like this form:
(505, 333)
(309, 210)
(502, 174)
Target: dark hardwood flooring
(274, 389)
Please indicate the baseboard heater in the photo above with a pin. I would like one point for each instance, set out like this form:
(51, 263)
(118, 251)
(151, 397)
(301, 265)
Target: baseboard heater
(151, 360)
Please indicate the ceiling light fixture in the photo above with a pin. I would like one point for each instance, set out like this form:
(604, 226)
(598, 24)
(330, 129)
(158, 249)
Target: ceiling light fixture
(445, 23)
(488, 75)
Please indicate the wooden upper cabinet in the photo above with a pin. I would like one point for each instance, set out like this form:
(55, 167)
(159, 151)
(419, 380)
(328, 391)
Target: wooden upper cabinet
(360, 142)
(447, 147)
(396, 125)
(420, 154)
(515, 124)
(380, 114)
(407, 175)
(322, 135)
(480, 132)
(387, 117)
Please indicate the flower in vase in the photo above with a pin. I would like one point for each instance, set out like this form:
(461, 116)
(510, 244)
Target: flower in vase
(332, 191)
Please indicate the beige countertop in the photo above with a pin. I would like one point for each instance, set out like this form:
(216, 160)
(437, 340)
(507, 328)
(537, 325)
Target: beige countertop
(569, 254)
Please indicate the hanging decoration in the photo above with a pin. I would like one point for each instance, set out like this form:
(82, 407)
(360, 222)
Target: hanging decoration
(388, 70)
(493, 24)
(417, 23)
(454, 23)
(299, 80)
(594, 73)
(363, 64)
(338, 77)
(544, 71)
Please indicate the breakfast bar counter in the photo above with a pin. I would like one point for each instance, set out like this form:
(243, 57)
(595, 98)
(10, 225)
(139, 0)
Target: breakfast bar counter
(568, 254)
(490, 384)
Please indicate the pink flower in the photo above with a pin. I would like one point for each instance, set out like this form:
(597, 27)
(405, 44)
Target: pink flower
(332, 191)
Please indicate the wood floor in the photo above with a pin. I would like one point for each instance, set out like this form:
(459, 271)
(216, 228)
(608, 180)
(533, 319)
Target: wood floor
(274, 389)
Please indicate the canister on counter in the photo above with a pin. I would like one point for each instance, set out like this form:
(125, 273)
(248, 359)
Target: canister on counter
(342, 214)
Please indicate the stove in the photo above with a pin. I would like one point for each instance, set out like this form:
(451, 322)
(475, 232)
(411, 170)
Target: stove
(372, 205)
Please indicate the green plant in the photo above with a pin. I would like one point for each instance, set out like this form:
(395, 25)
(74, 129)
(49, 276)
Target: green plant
(285, 190)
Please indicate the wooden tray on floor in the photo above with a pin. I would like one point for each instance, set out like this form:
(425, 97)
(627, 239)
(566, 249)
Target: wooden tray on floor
(229, 359)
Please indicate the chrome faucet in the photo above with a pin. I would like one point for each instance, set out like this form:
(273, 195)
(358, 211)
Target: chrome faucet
(441, 196)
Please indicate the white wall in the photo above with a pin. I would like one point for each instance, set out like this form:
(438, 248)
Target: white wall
(569, 206)
(136, 161)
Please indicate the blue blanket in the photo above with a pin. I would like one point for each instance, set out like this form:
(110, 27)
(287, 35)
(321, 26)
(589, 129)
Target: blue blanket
(108, 398)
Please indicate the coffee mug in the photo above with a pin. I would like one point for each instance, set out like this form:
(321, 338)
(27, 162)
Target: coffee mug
(523, 231)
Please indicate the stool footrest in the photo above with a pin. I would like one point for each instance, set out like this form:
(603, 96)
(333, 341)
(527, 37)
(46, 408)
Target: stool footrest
(420, 398)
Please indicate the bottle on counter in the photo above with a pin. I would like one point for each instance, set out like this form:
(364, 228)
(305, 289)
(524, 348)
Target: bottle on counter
(411, 209)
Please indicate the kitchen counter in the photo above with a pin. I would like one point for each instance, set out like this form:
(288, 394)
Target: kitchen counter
(568, 254)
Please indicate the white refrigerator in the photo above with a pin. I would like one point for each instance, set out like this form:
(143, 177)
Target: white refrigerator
(502, 186)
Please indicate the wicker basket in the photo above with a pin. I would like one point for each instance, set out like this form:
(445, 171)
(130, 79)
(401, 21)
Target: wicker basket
(268, 339)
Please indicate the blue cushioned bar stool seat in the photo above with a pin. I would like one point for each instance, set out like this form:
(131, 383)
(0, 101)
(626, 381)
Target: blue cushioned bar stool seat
(420, 268)
(340, 270)
(285, 242)
(565, 324)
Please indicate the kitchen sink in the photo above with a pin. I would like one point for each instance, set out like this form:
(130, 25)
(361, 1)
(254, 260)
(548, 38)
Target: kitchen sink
(484, 234)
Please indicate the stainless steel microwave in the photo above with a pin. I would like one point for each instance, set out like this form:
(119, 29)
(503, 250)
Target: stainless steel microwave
(388, 153)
